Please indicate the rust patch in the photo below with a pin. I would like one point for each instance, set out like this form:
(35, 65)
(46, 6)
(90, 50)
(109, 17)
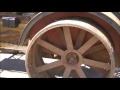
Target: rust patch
(111, 32)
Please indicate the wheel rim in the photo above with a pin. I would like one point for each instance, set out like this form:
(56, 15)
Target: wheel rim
(78, 55)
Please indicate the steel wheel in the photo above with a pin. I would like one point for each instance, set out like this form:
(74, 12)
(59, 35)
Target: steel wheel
(70, 48)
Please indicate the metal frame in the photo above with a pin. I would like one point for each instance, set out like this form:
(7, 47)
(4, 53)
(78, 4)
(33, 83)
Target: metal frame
(40, 15)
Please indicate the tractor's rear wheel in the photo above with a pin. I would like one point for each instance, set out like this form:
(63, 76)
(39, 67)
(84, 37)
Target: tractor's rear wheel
(70, 48)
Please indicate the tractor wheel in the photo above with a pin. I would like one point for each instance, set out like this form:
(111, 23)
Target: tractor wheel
(70, 49)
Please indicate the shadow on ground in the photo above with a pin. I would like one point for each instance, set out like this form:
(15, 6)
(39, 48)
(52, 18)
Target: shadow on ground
(17, 64)
(13, 64)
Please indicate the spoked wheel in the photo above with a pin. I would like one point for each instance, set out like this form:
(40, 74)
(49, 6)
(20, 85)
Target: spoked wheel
(70, 48)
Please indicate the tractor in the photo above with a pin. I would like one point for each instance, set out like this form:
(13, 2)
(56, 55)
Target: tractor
(63, 44)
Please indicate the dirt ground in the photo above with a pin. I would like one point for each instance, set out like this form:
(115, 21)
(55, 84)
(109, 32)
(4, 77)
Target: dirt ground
(13, 66)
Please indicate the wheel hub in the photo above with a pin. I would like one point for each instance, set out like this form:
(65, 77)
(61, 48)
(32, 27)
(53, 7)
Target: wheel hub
(72, 58)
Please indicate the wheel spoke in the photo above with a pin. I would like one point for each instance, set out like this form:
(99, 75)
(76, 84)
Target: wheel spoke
(96, 63)
(80, 38)
(50, 47)
(88, 44)
(80, 73)
(49, 66)
(56, 71)
(95, 49)
(68, 38)
(67, 73)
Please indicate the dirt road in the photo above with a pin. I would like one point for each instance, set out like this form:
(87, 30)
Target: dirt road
(13, 66)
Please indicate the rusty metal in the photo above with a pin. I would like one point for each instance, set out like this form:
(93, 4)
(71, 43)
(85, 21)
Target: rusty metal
(48, 17)
(109, 24)
(58, 36)
(71, 58)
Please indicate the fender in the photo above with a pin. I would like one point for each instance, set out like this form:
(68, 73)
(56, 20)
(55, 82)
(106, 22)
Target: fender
(108, 17)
